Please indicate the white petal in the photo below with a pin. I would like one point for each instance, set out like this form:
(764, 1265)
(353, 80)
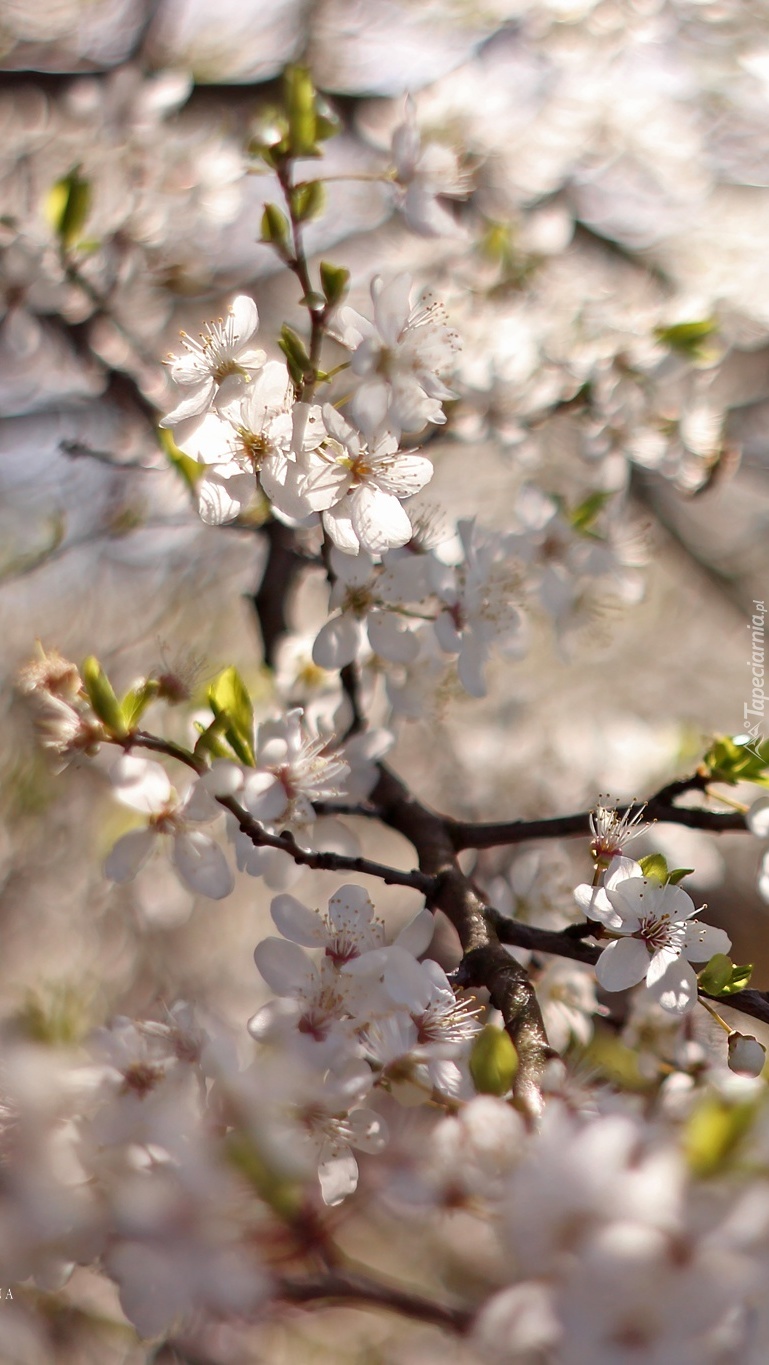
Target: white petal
(298, 924)
(338, 1177)
(197, 401)
(338, 522)
(199, 805)
(202, 865)
(701, 941)
(264, 796)
(416, 936)
(390, 638)
(340, 641)
(222, 500)
(406, 476)
(379, 521)
(129, 855)
(392, 305)
(622, 964)
(285, 966)
(141, 784)
(757, 818)
(224, 778)
(595, 904)
(245, 317)
(369, 1130)
(676, 991)
(470, 666)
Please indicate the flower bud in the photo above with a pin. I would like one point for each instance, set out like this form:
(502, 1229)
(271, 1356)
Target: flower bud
(746, 1055)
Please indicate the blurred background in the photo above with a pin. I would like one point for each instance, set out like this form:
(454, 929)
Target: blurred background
(607, 273)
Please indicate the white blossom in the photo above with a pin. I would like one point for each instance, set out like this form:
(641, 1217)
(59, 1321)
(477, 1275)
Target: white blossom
(199, 861)
(655, 935)
(218, 363)
(400, 359)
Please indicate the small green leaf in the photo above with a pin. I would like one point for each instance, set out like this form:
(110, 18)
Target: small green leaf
(678, 874)
(300, 108)
(294, 350)
(231, 704)
(687, 337)
(731, 760)
(307, 200)
(585, 513)
(334, 280)
(102, 696)
(722, 977)
(493, 1061)
(714, 1132)
(654, 866)
(67, 206)
(716, 974)
(188, 469)
(275, 230)
(135, 702)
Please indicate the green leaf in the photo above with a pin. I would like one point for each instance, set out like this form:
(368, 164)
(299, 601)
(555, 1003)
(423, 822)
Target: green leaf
(276, 231)
(678, 874)
(334, 280)
(67, 206)
(102, 696)
(209, 741)
(722, 977)
(300, 108)
(585, 513)
(231, 704)
(294, 350)
(687, 337)
(136, 701)
(731, 760)
(716, 974)
(654, 866)
(493, 1061)
(714, 1132)
(307, 200)
(188, 469)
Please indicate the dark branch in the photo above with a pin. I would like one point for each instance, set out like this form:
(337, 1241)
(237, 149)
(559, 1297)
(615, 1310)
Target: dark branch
(466, 834)
(339, 1287)
(485, 961)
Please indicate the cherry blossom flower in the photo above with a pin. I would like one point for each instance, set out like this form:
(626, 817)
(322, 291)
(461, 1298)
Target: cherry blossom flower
(425, 173)
(612, 831)
(478, 609)
(656, 935)
(144, 786)
(362, 621)
(248, 442)
(566, 994)
(64, 716)
(293, 769)
(219, 363)
(400, 359)
(358, 487)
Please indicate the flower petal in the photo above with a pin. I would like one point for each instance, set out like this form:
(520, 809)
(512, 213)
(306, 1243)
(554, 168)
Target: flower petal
(297, 923)
(129, 855)
(701, 941)
(622, 964)
(202, 865)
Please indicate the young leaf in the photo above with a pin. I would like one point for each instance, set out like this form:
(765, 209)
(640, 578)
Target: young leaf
(102, 697)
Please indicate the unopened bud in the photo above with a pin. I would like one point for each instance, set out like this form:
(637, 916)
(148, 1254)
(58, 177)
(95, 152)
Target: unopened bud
(746, 1055)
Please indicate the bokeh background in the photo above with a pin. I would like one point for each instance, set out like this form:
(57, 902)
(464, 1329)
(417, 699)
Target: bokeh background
(608, 276)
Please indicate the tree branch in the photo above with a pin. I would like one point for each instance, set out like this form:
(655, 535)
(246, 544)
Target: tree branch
(467, 834)
(485, 961)
(342, 1287)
